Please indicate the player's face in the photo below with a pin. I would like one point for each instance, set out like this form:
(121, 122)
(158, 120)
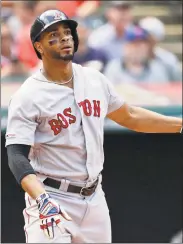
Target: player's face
(57, 43)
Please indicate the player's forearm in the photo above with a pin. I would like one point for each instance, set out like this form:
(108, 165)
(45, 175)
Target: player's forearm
(151, 122)
(32, 186)
(22, 169)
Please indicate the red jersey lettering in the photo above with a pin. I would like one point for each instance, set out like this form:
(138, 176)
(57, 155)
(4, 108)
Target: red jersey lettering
(63, 121)
(87, 108)
(67, 113)
(96, 108)
(55, 126)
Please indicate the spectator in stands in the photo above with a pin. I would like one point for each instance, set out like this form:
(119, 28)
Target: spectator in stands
(156, 29)
(81, 9)
(6, 10)
(110, 37)
(135, 65)
(14, 71)
(86, 55)
(6, 44)
(23, 15)
(42, 6)
(24, 48)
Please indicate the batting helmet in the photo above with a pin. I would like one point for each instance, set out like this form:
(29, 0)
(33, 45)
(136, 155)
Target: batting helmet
(49, 18)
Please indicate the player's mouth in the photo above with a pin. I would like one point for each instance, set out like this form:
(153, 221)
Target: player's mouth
(66, 48)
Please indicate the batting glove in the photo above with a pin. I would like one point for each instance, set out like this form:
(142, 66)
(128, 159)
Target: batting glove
(50, 215)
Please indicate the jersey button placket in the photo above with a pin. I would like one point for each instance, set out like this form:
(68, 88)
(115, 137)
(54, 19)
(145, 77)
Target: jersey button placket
(88, 147)
(79, 96)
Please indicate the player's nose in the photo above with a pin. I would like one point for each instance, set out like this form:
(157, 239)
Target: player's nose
(65, 39)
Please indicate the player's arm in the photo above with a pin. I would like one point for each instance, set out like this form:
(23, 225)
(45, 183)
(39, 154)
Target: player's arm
(22, 170)
(20, 136)
(32, 186)
(49, 209)
(143, 120)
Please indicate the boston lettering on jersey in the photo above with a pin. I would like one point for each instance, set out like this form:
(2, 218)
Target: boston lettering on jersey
(61, 121)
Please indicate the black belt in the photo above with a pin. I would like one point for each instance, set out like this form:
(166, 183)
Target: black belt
(84, 191)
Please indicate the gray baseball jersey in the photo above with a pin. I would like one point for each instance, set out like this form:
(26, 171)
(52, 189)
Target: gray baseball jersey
(64, 126)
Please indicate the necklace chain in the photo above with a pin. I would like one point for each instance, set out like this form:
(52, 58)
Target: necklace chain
(57, 82)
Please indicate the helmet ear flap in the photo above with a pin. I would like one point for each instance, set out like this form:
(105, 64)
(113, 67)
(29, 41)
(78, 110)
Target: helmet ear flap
(76, 39)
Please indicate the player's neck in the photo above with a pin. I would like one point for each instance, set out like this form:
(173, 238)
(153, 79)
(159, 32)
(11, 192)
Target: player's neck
(58, 72)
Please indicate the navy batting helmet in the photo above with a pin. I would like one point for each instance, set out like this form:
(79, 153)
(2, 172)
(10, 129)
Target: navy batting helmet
(49, 18)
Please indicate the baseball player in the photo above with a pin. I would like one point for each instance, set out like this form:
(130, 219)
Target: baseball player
(55, 134)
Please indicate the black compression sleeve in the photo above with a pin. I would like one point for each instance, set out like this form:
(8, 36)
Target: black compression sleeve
(18, 161)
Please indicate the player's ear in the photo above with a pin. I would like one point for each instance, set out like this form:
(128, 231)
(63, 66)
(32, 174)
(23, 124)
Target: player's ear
(38, 47)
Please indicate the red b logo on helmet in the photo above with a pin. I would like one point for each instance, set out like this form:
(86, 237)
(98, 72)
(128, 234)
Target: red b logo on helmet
(58, 15)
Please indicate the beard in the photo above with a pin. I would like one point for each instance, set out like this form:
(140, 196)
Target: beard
(58, 56)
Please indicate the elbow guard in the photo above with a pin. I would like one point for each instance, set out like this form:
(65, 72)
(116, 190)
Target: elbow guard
(18, 161)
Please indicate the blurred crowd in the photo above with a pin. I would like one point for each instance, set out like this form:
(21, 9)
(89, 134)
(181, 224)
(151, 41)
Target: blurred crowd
(125, 50)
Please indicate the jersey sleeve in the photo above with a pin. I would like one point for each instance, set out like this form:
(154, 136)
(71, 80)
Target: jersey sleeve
(22, 117)
(115, 101)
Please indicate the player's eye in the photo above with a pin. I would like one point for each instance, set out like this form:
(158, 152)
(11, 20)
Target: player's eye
(68, 32)
(54, 34)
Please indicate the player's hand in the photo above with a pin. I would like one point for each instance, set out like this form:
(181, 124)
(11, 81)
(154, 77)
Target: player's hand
(51, 215)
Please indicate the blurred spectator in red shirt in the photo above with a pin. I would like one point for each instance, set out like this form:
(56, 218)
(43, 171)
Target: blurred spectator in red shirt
(86, 55)
(25, 12)
(80, 9)
(110, 37)
(42, 6)
(23, 15)
(6, 44)
(25, 50)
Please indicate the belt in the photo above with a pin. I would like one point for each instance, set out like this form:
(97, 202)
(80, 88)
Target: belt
(83, 191)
